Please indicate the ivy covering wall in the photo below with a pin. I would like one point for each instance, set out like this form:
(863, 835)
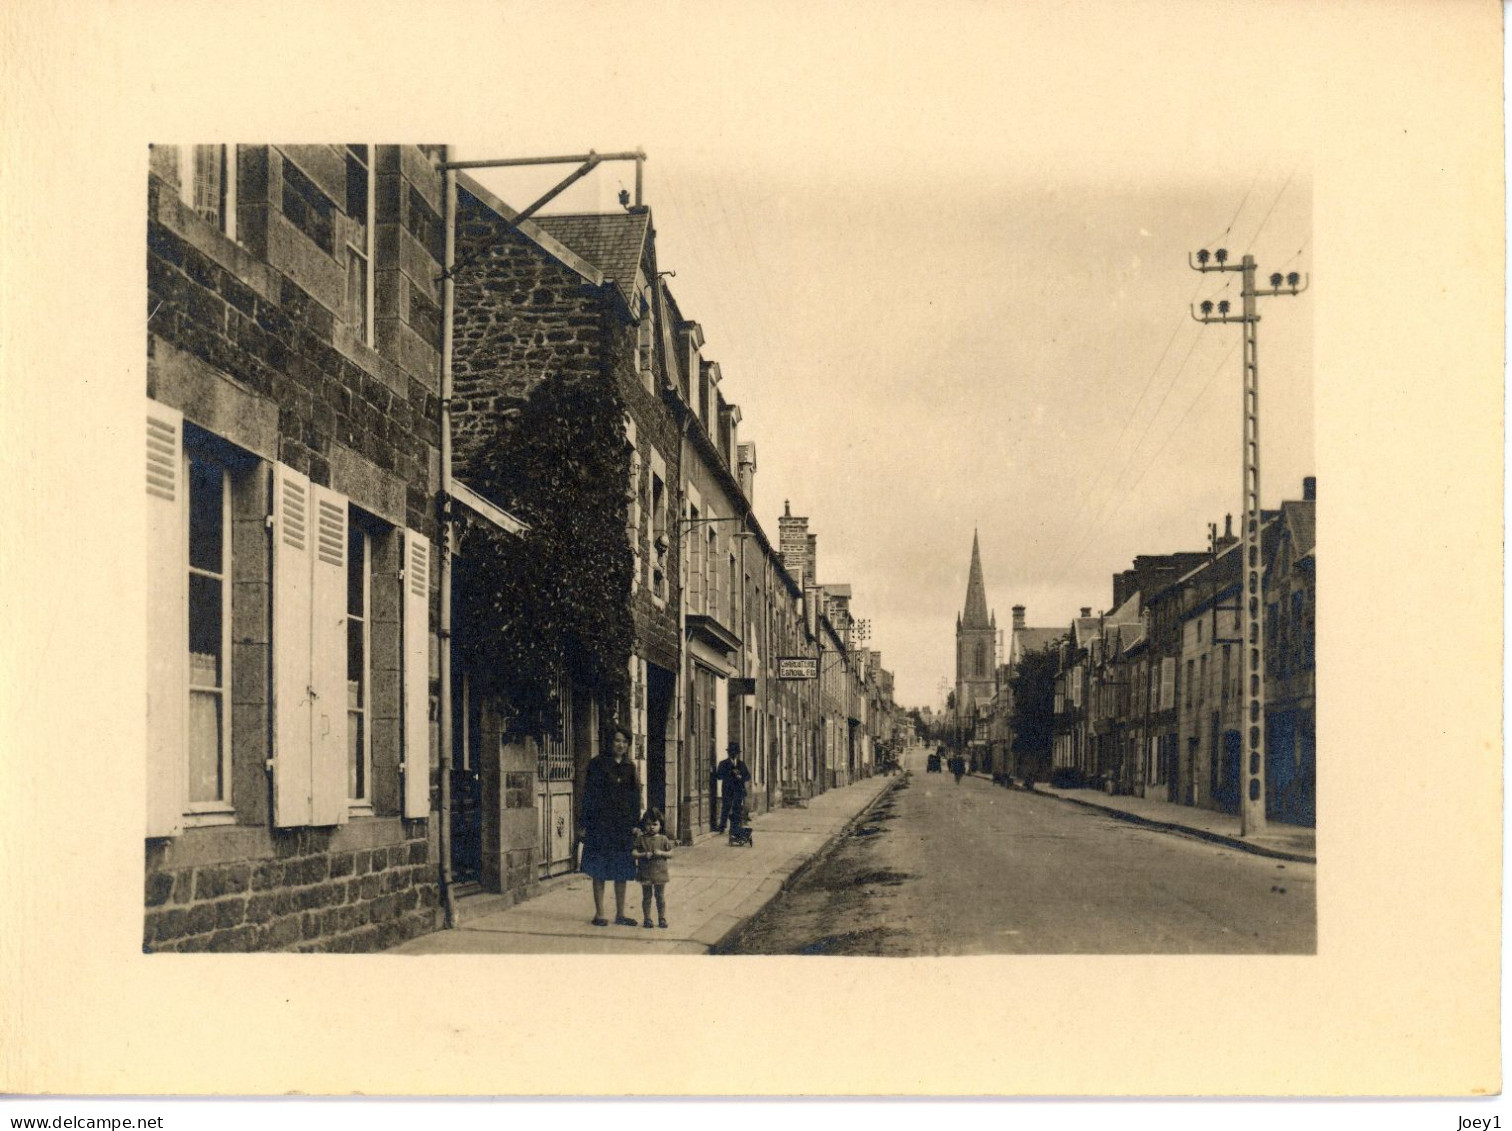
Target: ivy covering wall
(556, 600)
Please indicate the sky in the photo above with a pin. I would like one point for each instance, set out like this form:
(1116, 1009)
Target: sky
(939, 318)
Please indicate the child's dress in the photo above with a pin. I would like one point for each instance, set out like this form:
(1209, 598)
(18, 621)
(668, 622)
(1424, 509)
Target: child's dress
(652, 869)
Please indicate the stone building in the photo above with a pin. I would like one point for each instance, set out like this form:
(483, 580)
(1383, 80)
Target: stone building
(292, 432)
(1291, 600)
(568, 300)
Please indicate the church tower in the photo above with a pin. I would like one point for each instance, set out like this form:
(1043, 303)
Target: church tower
(976, 643)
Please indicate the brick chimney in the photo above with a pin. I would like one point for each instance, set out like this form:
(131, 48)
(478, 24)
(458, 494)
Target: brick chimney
(1310, 489)
(1086, 611)
(746, 455)
(793, 545)
(1018, 617)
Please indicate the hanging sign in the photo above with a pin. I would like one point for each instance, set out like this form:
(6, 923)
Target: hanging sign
(797, 667)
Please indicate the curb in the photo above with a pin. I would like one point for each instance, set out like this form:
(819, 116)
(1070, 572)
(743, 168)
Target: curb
(1183, 830)
(785, 880)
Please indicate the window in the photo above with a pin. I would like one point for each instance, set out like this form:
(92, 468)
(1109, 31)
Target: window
(645, 337)
(1202, 680)
(359, 243)
(359, 667)
(659, 540)
(694, 583)
(1189, 683)
(711, 565)
(1227, 674)
(192, 479)
(209, 635)
(205, 177)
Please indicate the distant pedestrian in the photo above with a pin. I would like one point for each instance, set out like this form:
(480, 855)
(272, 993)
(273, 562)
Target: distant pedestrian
(611, 801)
(733, 774)
(652, 851)
(958, 768)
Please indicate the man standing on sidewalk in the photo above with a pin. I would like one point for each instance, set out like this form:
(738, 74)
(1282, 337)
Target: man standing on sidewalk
(733, 774)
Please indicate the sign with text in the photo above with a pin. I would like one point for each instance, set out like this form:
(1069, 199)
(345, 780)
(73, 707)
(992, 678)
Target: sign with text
(797, 667)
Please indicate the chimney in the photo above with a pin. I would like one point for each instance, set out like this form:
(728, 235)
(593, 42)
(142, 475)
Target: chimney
(1086, 611)
(1018, 617)
(811, 559)
(1309, 488)
(1228, 528)
(793, 545)
(747, 470)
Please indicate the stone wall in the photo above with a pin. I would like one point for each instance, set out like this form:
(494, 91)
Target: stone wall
(304, 889)
(251, 338)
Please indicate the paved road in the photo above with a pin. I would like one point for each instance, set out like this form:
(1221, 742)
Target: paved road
(941, 868)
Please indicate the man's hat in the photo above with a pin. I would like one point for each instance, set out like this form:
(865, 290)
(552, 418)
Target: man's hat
(734, 748)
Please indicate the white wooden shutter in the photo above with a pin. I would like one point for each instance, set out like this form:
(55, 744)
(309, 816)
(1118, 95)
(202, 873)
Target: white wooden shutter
(416, 675)
(293, 552)
(328, 659)
(167, 621)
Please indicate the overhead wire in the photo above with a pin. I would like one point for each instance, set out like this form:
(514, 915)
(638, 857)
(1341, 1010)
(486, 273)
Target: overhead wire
(1155, 457)
(1087, 494)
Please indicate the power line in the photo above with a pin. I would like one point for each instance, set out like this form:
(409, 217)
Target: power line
(1266, 219)
(1088, 492)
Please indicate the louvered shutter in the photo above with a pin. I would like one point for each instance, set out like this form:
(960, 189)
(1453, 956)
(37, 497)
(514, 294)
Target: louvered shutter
(328, 659)
(293, 552)
(167, 621)
(416, 675)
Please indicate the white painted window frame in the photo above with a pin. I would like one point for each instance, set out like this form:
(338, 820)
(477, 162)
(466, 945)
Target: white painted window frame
(365, 252)
(220, 810)
(363, 805)
(226, 220)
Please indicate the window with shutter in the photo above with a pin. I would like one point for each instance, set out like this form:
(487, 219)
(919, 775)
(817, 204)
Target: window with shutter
(416, 675)
(167, 609)
(293, 554)
(359, 666)
(328, 659)
(310, 652)
(209, 634)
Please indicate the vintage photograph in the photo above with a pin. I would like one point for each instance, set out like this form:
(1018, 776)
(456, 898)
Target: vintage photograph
(471, 632)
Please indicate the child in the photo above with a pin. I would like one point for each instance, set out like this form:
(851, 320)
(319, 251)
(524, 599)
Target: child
(652, 851)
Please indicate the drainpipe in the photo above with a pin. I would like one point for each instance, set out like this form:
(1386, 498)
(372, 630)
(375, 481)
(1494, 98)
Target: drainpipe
(448, 308)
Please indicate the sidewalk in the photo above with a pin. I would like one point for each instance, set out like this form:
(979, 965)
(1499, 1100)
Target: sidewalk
(714, 889)
(1284, 842)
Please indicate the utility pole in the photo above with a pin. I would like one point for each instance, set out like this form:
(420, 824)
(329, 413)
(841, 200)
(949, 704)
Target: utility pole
(1252, 649)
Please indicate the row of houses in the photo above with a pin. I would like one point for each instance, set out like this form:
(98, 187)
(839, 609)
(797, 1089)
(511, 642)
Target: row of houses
(1148, 698)
(437, 494)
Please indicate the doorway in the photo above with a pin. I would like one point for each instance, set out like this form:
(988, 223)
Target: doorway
(660, 686)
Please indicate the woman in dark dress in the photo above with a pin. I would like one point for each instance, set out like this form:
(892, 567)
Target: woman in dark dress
(611, 807)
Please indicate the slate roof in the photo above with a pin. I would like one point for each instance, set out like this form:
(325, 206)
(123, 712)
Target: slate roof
(1303, 524)
(1026, 640)
(612, 241)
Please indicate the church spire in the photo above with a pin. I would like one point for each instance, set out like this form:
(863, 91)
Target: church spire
(976, 592)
